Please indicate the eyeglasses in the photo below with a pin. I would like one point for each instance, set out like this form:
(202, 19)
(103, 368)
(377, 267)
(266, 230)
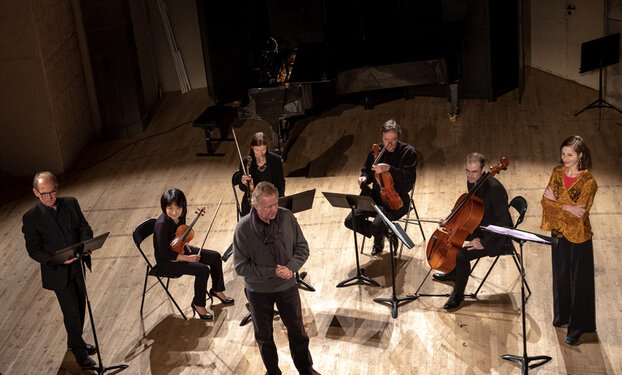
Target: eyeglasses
(48, 194)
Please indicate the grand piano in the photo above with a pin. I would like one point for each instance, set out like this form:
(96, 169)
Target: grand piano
(283, 58)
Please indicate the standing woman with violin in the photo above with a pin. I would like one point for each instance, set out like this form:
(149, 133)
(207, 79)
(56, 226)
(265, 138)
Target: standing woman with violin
(480, 243)
(393, 164)
(566, 204)
(193, 261)
(260, 165)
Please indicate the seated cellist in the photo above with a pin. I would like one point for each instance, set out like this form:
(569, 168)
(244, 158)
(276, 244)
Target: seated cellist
(481, 243)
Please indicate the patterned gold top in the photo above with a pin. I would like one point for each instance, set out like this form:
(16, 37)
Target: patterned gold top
(561, 222)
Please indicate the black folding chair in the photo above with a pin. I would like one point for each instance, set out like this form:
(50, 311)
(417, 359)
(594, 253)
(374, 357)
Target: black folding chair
(520, 205)
(142, 231)
(238, 206)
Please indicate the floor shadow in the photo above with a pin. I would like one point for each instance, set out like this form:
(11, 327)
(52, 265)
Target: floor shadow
(586, 357)
(346, 325)
(176, 344)
(331, 160)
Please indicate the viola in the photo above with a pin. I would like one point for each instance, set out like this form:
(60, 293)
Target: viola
(249, 159)
(464, 218)
(385, 180)
(185, 234)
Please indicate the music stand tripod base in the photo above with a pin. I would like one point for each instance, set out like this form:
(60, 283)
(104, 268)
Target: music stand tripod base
(397, 231)
(353, 202)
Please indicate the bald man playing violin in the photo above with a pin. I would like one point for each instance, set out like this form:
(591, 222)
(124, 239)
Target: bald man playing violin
(399, 159)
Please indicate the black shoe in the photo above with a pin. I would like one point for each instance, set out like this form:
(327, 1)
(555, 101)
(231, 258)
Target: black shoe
(451, 276)
(226, 301)
(376, 250)
(90, 349)
(453, 302)
(207, 316)
(573, 340)
(311, 371)
(86, 362)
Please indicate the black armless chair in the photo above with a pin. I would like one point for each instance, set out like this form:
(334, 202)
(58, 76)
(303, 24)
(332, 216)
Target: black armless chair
(142, 231)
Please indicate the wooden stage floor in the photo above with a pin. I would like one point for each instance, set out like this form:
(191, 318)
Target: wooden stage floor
(350, 334)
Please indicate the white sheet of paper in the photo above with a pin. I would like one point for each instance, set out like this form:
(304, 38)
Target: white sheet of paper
(518, 234)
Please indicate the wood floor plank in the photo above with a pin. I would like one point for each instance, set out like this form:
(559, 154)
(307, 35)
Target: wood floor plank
(350, 334)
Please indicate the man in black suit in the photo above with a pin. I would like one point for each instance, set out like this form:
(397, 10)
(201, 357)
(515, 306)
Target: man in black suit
(52, 224)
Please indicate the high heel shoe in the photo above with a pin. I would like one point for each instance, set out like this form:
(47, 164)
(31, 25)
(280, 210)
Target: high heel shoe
(226, 301)
(207, 316)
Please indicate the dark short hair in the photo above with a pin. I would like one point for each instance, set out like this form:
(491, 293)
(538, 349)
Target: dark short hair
(475, 157)
(263, 189)
(391, 126)
(175, 196)
(578, 145)
(259, 139)
(44, 174)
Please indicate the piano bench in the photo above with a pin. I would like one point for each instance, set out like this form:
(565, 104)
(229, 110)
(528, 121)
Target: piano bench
(219, 117)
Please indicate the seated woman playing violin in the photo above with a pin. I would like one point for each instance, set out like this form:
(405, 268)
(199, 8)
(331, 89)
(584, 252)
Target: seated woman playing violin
(193, 261)
(392, 171)
(261, 165)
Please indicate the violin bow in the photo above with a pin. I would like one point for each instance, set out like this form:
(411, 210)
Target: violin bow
(210, 224)
(237, 145)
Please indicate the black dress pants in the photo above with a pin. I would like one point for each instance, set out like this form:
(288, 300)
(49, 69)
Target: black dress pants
(375, 228)
(463, 267)
(573, 286)
(72, 301)
(262, 311)
(210, 261)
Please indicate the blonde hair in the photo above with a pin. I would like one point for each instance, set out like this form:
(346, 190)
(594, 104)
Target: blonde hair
(263, 189)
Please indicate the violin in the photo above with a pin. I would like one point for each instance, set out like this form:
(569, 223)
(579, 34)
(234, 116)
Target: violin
(385, 180)
(185, 234)
(464, 218)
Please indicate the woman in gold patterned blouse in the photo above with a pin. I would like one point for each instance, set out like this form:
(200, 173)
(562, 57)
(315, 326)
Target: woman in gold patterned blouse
(566, 204)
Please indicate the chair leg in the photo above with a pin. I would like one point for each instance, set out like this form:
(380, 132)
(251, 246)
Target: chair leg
(474, 265)
(142, 302)
(418, 223)
(170, 296)
(474, 295)
(363, 244)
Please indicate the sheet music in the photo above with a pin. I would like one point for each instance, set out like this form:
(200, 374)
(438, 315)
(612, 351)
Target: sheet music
(518, 234)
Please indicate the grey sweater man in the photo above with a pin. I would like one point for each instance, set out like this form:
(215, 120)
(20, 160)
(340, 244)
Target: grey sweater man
(254, 261)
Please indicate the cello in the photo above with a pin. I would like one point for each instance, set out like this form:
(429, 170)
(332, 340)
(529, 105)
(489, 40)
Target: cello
(463, 220)
(385, 180)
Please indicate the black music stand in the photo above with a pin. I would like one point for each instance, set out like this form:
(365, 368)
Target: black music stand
(521, 237)
(297, 203)
(597, 54)
(78, 251)
(394, 230)
(353, 202)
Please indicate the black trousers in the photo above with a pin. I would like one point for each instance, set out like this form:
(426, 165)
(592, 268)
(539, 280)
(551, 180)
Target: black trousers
(210, 261)
(573, 286)
(375, 228)
(463, 266)
(262, 311)
(72, 301)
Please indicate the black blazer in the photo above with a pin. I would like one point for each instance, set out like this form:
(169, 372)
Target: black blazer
(44, 237)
